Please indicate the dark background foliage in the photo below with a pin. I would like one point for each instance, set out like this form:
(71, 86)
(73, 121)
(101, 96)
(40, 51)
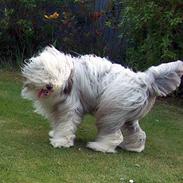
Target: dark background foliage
(154, 31)
(81, 26)
(134, 33)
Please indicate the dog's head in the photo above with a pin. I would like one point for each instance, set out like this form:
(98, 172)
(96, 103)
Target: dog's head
(46, 74)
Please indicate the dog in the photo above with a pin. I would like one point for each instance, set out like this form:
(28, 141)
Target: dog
(65, 88)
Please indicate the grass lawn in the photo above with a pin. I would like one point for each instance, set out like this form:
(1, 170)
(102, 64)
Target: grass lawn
(27, 157)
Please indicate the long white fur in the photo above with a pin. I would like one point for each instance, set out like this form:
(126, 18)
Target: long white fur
(118, 97)
(48, 67)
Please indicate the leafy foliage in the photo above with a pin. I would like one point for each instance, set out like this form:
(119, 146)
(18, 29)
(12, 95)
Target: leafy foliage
(153, 30)
(70, 25)
(140, 34)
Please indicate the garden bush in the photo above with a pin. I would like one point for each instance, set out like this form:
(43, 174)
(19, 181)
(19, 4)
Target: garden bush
(134, 33)
(146, 32)
(153, 30)
(74, 26)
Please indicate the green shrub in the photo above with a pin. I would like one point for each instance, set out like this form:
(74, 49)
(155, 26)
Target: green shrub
(70, 25)
(153, 30)
(17, 31)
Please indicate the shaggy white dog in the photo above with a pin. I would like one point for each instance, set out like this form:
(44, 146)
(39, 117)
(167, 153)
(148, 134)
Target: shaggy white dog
(64, 88)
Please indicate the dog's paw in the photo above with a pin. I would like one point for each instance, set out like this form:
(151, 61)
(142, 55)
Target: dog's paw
(51, 133)
(132, 148)
(97, 146)
(134, 142)
(61, 142)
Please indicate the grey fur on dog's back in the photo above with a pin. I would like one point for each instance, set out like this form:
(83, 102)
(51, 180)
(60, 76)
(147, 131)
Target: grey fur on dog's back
(132, 95)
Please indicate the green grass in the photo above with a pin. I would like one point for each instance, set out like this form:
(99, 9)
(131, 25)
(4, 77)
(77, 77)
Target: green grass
(27, 157)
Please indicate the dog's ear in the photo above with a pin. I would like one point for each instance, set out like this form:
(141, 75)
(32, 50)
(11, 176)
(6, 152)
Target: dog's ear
(68, 87)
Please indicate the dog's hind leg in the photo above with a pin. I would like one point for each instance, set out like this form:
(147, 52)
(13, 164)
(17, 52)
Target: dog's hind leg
(109, 135)
(64, 130)
(106, 142)
(134, 137)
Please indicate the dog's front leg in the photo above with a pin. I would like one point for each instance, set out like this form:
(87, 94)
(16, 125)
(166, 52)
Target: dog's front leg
(63, 133)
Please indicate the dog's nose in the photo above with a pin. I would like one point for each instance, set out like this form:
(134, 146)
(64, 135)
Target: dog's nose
(49, 87)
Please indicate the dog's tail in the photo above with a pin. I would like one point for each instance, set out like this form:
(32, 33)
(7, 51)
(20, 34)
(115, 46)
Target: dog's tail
(165, 78)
